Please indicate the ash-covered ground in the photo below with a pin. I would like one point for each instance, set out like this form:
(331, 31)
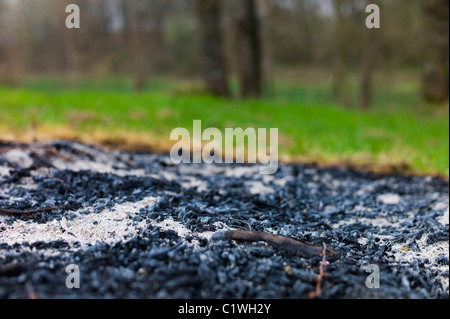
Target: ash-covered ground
(138, 226)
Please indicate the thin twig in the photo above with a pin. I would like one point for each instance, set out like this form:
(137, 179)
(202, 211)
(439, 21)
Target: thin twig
(55, 178)
(287, 244)
(241, 221)
(319, 278)
(13, 268)
(54, 151)
(34, 148)
(30, 291)
(29, 211)
(5, 149)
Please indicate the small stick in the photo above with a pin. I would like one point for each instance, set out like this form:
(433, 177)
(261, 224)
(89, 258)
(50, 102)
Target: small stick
(323, 264)
(33, 149)
(55, 178)
(241, 221)
(31, 293)
(290, 245)
(29, 211)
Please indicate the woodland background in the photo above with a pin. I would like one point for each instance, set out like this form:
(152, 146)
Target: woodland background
(337, 90)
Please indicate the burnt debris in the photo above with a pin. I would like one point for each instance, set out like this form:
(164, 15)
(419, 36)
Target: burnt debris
(138, 226)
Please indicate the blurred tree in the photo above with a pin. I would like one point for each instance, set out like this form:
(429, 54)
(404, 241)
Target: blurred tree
(369, 55)
(340, 35)
(368, 67)
(267, 49)
(436, 76)
(135, 15)
(144, 32)
(72, 55)
(297, 32)
(249, 48)
(280, 38)
(182, 41)
(215, 67)
(2, 42)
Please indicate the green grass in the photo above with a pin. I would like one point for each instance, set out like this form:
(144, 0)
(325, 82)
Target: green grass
(310, 126)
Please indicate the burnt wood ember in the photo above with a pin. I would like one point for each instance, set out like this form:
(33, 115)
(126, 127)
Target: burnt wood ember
(30, 211)
(289, 245)
(138, 226)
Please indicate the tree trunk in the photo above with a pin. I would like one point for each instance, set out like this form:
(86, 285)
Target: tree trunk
(340, 90)
(134, 34)
(366, 84)
(436, 77)
(249, 49)
(71, 54)
(368, 67)
(215, 68)
(267, 63)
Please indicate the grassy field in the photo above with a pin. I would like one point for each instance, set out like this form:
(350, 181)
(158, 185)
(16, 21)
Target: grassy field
(399, 134)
